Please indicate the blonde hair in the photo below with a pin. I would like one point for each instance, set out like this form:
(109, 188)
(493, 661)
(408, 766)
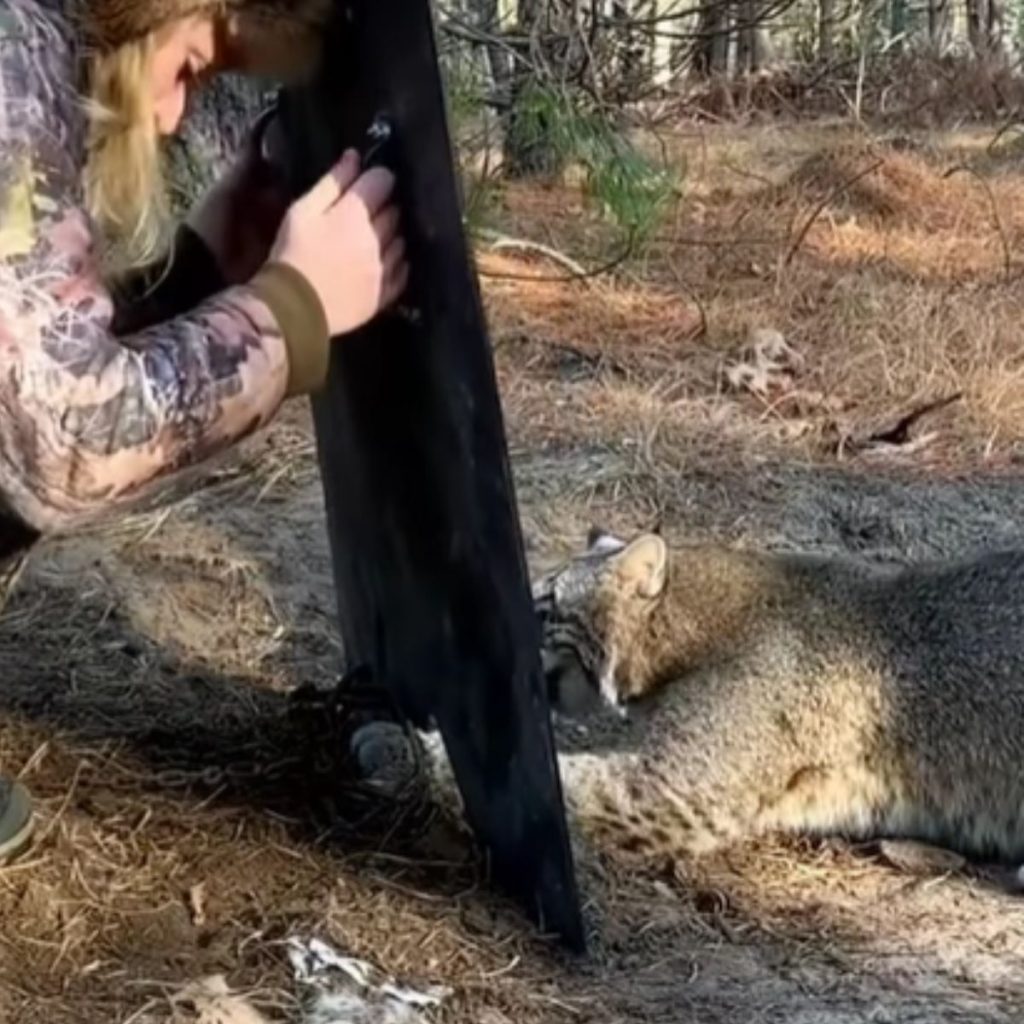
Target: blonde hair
(125, 187)
(125, 190)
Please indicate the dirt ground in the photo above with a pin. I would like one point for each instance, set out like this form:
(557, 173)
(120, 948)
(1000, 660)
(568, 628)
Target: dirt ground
(190, 818)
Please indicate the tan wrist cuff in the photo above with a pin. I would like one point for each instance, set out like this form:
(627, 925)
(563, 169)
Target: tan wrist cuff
(303, 323)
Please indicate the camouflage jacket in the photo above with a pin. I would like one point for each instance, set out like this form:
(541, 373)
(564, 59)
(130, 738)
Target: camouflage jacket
(91, 418)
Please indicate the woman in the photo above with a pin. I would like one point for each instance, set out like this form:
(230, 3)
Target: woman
(110, 389)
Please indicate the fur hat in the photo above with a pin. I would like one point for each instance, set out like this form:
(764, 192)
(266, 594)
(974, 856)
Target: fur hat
(109, 23)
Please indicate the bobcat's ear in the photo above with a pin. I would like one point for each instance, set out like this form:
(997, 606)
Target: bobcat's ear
(644, 565)
(601, 542)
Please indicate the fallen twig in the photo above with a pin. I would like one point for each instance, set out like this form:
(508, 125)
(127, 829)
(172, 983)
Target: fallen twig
(499, 242)
(893, 435)
(577, 271)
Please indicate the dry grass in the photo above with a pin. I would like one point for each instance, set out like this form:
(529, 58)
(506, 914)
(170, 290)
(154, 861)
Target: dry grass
(193, 816)
(192, 819)
(893, 272)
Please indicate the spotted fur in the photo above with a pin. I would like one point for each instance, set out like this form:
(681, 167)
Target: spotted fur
(774, 692)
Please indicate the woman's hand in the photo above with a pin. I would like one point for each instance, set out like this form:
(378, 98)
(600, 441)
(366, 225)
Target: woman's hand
(241, 214)
(343, 237)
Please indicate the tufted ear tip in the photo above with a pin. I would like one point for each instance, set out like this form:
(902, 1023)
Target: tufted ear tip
(644, 565)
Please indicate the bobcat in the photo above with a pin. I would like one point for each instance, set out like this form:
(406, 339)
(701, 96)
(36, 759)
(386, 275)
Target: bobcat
(777, 692)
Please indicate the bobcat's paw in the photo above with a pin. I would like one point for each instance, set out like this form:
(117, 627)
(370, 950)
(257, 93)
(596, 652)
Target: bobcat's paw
(916, 858)
(443, 789)
(385, 757)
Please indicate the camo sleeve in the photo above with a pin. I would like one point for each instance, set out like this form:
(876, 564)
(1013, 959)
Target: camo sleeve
(88, 420)
(168, 288)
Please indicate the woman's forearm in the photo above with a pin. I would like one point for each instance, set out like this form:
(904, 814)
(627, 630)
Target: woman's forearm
(102, 398)
(89, 422)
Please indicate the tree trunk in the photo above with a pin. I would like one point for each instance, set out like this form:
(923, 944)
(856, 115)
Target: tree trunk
(661, 41)
(712, 56)
(723, 41)
(826, 31)
(747, 57)
(977, 25)
(528, 147)
(897, 23)
(940, 25)
(995, 26)
(494, 17)
(632, 45)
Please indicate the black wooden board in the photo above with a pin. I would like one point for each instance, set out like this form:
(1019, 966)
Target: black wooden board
(431, 578)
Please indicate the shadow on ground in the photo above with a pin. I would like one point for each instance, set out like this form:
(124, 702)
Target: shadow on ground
(194, 814)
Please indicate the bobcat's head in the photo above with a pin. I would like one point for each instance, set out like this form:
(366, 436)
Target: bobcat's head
(590, 610)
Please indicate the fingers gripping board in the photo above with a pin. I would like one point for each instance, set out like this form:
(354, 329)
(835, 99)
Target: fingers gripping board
(428, 558)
